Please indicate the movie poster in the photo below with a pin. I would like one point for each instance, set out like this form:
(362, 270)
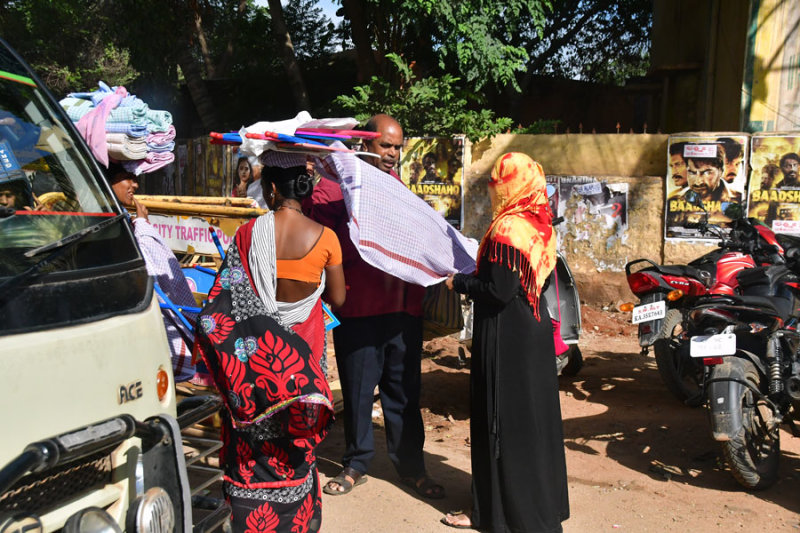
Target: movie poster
(433, 168)
(709, 169)
(774, 191)
(593, 209)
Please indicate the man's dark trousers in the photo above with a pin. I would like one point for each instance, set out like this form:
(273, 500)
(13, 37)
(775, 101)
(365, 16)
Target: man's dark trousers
(382, 350)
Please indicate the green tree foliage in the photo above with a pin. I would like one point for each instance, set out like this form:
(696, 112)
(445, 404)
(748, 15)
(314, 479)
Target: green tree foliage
(475, 38)
(484, 48)
(605, 41)
(225, 56)
(313, 34)
(424, 106)
(67, 53)
(471, 38)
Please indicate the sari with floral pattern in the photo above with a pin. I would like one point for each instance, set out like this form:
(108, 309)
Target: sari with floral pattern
(277, 403)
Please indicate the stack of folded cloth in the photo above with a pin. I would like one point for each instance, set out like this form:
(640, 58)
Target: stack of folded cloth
(123, 147)
(152, 161)
(161, 142)
(140, 137)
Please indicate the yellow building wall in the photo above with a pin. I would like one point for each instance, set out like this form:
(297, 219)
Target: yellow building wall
(640, 160)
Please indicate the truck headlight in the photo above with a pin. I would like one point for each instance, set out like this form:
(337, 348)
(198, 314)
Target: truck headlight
(91, 520)
(151, 513)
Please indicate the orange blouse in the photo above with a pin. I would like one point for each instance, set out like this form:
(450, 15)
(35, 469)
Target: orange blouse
(326, 252)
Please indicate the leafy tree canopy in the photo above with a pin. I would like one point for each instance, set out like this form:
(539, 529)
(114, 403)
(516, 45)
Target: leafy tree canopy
(433, 60)
(424, 106)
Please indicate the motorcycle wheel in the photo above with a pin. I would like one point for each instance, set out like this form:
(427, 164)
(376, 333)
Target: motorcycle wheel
(574, 361)
(682, 375)
(753, 453)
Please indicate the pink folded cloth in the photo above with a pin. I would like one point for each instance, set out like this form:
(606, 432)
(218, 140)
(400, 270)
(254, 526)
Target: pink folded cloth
(152, 162)
(163, 137)
(92, 125)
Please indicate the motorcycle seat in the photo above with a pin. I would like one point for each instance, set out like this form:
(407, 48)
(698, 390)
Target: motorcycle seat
(683, 270)
(782, 307)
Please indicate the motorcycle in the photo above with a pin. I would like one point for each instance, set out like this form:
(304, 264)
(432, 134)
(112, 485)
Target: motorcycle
(749, 345)
(667, 292)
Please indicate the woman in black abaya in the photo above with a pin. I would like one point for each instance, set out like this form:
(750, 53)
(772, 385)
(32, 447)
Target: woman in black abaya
(519, 475)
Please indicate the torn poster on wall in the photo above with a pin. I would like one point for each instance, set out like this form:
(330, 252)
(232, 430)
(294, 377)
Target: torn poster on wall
(593, 210)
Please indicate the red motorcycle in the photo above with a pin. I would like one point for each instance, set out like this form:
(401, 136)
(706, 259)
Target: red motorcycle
(749, 344)
(667, 292)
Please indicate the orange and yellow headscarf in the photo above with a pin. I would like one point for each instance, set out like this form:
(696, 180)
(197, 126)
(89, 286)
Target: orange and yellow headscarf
(521, 232)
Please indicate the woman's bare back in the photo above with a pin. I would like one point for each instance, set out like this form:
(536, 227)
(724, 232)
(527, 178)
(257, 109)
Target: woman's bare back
(295, 236)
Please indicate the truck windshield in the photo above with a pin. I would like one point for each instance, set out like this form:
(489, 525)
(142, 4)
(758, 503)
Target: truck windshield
(50, 189)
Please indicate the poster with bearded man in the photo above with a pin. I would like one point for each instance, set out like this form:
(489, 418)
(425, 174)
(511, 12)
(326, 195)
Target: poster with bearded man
(704, 171)
(774, 190)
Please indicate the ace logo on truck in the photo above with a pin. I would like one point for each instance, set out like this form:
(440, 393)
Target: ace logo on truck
(130, 392)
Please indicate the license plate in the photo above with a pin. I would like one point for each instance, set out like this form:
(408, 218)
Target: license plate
(648, 312)
(712, 345)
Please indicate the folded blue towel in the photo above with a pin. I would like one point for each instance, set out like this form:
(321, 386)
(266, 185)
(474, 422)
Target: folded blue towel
(95, 96)
(131, 101)
(134, 130)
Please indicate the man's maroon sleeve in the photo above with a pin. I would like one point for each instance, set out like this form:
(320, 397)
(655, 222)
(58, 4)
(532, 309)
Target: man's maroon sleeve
(327, 204)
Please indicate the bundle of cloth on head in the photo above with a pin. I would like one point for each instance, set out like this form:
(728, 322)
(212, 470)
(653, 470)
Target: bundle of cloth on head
(393, 229)
(120, 126)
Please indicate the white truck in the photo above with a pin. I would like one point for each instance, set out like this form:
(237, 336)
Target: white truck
(91, 435)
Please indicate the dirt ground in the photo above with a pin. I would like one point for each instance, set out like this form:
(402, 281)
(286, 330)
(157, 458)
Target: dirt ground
(637, 459)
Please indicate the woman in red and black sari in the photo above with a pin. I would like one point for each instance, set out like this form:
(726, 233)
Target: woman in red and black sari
(262, 336)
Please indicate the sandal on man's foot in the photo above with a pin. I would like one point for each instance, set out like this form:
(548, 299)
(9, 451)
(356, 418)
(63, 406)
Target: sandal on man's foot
(458, 520)
(425, 487)
(344, 484)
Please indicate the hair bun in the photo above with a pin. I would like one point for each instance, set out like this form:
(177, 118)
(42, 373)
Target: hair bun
(304, 185)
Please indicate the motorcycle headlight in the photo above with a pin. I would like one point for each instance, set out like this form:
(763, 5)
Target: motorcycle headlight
(91, 520)
(151, 513)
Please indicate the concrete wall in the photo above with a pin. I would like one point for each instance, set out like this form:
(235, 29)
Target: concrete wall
(636, 159)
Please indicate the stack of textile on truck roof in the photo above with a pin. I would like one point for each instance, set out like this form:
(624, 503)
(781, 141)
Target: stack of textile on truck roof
(120, 126)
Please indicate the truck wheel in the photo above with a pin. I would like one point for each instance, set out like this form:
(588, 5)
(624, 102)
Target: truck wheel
(753, 453)
(682, 375)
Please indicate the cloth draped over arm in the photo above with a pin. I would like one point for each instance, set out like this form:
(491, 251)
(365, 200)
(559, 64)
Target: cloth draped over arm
(393, 229)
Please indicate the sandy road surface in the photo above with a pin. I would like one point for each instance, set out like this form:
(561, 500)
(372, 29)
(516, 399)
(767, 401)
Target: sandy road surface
(637, 459)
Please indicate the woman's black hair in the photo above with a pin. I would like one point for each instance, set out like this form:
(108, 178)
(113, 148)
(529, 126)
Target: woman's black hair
(113, 170)
(292, 183)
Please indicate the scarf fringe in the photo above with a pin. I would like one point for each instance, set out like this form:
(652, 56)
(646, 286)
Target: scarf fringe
(517, 261)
